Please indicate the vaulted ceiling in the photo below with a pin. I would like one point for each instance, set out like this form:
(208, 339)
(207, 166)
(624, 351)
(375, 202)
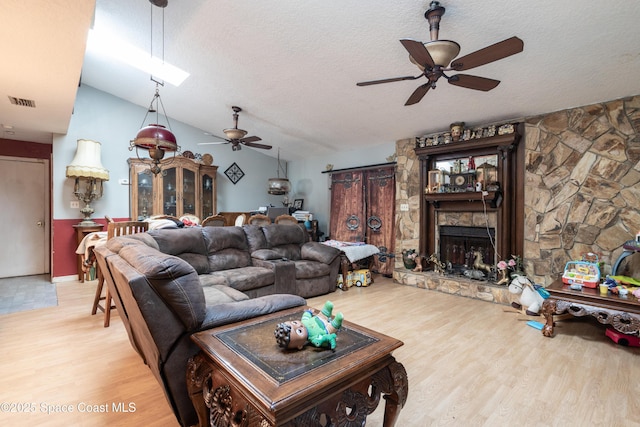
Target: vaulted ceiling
(293, 65)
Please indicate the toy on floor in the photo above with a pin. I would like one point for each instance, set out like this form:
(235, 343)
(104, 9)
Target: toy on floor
(532, 296)
(318, 330)
(623, 339)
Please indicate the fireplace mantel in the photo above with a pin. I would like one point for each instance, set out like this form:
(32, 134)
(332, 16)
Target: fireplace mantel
(506, 201)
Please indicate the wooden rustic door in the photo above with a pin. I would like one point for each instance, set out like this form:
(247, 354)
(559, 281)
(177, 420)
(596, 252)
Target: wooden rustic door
(347, 207)
(363, 210)
(380, 212)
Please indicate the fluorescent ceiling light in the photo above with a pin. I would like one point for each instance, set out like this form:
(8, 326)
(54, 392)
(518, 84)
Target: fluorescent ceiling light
(107, 44)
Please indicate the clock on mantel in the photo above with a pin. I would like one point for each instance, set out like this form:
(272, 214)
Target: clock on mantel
(494, 184)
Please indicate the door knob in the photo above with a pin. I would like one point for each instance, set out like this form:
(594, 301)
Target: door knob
(40, 223)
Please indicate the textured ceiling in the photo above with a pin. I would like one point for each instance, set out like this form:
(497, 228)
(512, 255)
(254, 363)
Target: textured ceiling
(293, 65)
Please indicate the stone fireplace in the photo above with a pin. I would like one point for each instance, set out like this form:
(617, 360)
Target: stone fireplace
(581, 183)
(475, 222)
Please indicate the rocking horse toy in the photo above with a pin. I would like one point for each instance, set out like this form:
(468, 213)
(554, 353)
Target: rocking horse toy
(532, 296)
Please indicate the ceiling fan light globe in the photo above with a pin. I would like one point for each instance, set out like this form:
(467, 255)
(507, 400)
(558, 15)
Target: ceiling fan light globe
(442, 51)
(235, 133)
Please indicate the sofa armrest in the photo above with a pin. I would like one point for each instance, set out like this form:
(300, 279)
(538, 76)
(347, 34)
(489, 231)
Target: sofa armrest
(316, 251)
(227, 313)
(284, 271)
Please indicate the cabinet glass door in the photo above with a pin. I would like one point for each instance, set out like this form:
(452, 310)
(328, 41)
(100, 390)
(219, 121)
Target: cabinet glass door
(169, 192)
(145, 195)
(188, 192)
(207, 195)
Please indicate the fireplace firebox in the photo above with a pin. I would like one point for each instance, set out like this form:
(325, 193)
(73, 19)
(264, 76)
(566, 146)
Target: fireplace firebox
(460, 245)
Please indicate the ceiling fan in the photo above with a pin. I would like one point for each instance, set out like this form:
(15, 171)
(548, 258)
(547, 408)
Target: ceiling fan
(435, 58)
(236, 137)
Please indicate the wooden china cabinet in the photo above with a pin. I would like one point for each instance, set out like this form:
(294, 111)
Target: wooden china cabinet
(183, 187)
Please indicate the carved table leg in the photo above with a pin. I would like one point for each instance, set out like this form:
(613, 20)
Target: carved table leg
(397, 394)
(547, 310)
(198, 371)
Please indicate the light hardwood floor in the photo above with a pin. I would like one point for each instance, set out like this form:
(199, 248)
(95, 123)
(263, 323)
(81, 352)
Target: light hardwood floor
(469, 363)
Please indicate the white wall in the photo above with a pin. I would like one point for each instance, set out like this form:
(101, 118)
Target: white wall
(309, 183)
(114, 122)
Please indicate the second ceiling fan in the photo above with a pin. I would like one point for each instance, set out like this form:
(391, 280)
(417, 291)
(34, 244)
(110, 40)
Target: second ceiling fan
(436, 57)
(236, 137)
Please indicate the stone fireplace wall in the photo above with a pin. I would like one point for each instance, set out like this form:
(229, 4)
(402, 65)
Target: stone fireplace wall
(582, 187)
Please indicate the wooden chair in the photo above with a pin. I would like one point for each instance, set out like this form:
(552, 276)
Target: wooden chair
(259, 219)
(214, 221)
(285, 219)
(114, 229)
(240, 220)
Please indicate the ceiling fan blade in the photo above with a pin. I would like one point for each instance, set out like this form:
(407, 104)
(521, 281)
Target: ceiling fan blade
(394, 79)
(250, 139)
(418, 52)
(418, 94)
(473, 82)
(489, 54)
(254, 145)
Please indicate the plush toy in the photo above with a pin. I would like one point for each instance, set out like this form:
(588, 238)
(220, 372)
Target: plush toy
(319, 330)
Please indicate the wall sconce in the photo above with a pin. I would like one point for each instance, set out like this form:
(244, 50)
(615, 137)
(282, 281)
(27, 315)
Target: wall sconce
(89, 174)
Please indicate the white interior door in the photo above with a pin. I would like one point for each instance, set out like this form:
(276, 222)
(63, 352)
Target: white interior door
(24, 217)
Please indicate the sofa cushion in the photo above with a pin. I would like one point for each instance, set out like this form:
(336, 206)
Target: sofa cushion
(175, 281)
(284, 234)
(226, 248)
(242, 279)
(310, 269)
(255, 237)
(186, 243)
(219, 294)
(266, 254)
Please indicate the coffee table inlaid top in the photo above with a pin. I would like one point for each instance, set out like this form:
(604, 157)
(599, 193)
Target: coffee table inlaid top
(248, 351)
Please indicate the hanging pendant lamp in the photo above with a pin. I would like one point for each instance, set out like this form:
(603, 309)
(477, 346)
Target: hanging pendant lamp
(156, 138)
(279, 186)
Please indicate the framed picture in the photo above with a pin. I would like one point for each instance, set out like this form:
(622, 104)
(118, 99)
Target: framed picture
(297, 204)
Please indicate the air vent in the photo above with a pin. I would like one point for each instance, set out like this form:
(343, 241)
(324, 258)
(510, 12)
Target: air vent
(22, 102)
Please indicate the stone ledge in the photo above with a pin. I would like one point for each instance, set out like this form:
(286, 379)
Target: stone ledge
(455, 285)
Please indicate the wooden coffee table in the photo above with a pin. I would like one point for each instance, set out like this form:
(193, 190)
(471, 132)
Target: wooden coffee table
(622, 313)
(241, 377)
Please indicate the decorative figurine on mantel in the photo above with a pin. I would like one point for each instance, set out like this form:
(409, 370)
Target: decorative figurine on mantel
(456, 130)
(318, 330)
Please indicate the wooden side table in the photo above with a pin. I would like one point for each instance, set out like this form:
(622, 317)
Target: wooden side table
(81, 232)
(623, 313)
(241, 377)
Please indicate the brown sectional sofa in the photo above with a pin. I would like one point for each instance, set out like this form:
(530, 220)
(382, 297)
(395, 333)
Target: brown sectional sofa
(169, 283)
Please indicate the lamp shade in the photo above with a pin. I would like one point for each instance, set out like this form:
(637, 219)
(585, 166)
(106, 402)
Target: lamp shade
(156, 136)
(279, 186)
(86, 163)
